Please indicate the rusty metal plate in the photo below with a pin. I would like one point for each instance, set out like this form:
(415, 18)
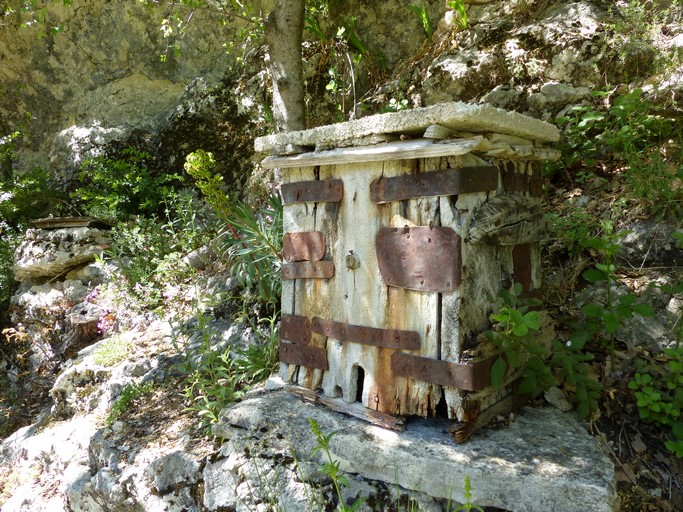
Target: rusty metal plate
(302, 355)
(308, 270)
(386, 338)
(304, 246)
(468, 377)
(295, 328)
(316, 191)
(435, 183)
(419, 258)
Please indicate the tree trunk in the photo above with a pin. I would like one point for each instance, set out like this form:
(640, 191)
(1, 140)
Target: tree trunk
(284, 32)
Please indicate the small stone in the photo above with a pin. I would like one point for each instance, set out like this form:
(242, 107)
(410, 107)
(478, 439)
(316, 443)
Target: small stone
(556, 398)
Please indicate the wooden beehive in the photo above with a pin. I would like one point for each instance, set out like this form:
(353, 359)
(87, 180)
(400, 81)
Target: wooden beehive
(399, 228)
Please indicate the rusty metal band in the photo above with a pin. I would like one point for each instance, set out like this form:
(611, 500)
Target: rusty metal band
(420, 258)
(521, 259)
(468, 377)
(303, 246)
(302, 355)
(386, 338)
(295, 328)
(308, 270)
(435, 183)
(315, 191)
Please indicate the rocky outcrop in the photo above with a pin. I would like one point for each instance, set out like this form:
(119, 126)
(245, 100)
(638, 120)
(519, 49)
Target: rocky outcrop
(51, 253)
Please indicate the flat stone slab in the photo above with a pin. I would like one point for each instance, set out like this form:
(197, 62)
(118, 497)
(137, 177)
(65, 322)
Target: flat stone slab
(543, 460)
(462, 117)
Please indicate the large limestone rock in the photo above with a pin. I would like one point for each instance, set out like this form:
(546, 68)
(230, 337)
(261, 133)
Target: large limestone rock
(50, 253)
(543, 460)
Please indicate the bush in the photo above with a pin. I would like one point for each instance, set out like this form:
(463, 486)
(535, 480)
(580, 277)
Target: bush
(117, 189)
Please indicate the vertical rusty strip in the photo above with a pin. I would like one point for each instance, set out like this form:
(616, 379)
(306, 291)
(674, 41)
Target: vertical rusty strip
(521, 258)
(536, 181)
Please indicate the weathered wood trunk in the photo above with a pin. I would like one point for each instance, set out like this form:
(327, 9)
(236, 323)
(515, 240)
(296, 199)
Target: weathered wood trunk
(82, 328)
(393, 256)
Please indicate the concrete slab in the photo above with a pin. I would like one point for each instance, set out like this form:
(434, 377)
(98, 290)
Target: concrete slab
(462, 117)
(544, 460)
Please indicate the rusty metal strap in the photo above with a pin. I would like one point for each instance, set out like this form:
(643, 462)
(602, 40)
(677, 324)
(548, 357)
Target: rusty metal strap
(468, 377)
(295, 328)
(302, 355)
(303, 246)
(420, 258)
(308, 270)
(315, 191)
(445, 182)
(386, 338)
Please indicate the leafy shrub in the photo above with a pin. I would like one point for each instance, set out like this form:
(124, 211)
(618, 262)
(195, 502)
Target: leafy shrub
(639, 139)
(658, 387)
(116, 189)
(605, 319)
(252, 243)
(514, 326)
(28, 196)
(128, 396)
(565, 365)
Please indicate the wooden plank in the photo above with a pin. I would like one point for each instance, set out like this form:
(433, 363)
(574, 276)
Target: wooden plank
(305, 246)
(443, 182)
(308, 270)
(314, 191)
(400, 150)
(303, 355)
(468, 377)
(300, 217)
(377, 337)
(355, 296)
(413, 309)
(295, 329)
(353, 409)
(69, 222)
(419, 258)
(465, 312)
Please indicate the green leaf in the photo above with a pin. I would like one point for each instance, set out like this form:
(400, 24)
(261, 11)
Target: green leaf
(583, 410)
(578, 340)
(593, 310)
(605, 269)
(528, 386)
(612, 322)
(520, 330)
(512, 357)
(642, 309)
(498, 373)
(593, 275)
(532, 320)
